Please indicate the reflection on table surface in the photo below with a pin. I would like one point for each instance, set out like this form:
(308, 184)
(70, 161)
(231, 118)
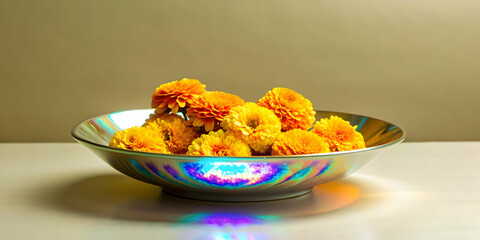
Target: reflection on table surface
(117, 196)
(114, 196)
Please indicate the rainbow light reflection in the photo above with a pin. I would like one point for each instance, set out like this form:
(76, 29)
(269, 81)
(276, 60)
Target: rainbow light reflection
(223, 219)
(231, 236)
(139, 168)
(234, 174)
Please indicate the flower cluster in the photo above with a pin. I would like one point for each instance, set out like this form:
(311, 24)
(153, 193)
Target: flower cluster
(221, 124)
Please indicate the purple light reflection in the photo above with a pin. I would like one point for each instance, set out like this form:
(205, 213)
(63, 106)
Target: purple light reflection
(234, 174)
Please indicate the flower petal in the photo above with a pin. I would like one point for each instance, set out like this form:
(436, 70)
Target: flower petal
(209, 125)
(181, 102)
(175, 108)
(197, 122)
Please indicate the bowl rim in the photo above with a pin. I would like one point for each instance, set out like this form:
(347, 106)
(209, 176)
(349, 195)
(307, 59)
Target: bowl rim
(233, 158)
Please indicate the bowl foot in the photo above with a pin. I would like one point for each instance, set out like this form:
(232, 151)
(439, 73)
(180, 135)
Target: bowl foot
(234, 197)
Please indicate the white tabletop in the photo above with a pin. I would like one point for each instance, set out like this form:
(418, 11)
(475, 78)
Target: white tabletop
(412, 191)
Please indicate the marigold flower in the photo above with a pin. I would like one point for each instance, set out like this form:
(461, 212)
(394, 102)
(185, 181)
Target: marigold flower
(210, 108)
(176, 94)
(219, 143)
(257, 126)
(293, 110)
(139, 139)
(176, 135)
(339, 134)
(162, 116)
(297, 141)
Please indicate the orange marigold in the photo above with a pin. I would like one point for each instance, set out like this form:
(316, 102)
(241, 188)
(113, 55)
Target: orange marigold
(176, 135)
(219, 143)
(139, 139)
(176, 94)
(162, 116)
(293, 110)
(339, 134)
(297, 141)
(210, 108)
(257, 126)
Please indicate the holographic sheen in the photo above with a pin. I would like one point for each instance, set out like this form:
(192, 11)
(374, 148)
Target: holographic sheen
(300, 174)
(140, 169)
(234, 174)
(173, 173)
(324, 169)
(171, 170)
(155, 170)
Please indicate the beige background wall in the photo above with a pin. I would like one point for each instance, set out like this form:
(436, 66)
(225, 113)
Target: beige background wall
(411, 62)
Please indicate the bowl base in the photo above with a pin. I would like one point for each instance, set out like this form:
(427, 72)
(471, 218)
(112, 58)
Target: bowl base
(229, 197)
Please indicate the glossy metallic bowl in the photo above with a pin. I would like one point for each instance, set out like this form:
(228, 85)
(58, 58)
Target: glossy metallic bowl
(234, 178)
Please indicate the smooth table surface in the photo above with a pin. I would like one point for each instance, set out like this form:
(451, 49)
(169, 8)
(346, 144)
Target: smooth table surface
(412, 191)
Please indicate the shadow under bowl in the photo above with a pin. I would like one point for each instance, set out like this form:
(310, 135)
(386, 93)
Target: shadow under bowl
(234, 179)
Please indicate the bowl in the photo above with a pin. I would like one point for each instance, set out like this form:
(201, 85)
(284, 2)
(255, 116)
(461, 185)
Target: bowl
(236, 179)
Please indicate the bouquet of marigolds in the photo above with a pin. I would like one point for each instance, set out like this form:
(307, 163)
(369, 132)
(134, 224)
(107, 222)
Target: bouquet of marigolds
(190, 120)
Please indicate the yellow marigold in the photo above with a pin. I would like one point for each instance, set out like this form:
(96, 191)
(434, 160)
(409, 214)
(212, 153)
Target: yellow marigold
(176, 94)
(255, 125)
(162, 116)
(297, 141)
(339, 134)
(139, 139)
(210, 108)
(176, 135)
(293, 110)
(219, 143)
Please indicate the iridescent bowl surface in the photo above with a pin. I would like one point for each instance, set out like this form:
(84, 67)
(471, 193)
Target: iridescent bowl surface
(255, 178)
